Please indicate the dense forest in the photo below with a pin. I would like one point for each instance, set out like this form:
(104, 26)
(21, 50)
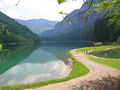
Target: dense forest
(13, 32)
(105, 32)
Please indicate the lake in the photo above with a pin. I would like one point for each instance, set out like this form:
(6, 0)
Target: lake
(35, 63)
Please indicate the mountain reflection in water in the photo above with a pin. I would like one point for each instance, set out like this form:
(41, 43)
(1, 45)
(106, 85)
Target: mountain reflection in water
(30, 63)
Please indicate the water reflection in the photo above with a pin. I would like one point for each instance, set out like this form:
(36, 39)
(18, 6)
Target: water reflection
(14, 54)
(29, 64)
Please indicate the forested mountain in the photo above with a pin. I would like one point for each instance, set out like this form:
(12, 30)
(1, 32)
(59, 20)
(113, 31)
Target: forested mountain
(13, 32)
(38, 25)
(81, 29)
(105, 32)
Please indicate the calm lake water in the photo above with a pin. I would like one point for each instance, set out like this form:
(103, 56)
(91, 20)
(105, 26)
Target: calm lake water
(34, 63)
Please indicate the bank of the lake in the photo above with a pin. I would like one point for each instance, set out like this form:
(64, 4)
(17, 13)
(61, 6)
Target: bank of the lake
(112, 53)
(100, 77)
(38, 56)
(111, 62)
(78, 58)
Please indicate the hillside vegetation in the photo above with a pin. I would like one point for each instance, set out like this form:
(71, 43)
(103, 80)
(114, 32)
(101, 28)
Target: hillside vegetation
(105, 32)
(13, 32)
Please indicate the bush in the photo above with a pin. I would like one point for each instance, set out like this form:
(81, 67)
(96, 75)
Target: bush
(98, 43)
(0, 46)
(118, 40)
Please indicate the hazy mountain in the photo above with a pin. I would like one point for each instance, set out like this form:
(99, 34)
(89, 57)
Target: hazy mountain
(82, 27)
(38, 25)
(11, 31)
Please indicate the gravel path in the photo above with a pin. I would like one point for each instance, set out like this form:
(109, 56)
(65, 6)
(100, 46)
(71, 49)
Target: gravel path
(100, 77)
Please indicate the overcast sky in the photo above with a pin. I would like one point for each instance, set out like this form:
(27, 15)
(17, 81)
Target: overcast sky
(35, 9)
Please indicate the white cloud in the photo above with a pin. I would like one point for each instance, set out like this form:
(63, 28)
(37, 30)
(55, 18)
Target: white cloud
(31, 9)
(12, 12)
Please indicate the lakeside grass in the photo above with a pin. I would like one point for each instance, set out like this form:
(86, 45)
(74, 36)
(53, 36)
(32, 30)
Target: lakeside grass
(111, 63)
(105, 61)
(112, 54)
(78, 69)
(97, 48)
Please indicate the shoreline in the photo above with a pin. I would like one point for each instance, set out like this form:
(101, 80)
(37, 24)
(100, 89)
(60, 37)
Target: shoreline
(100, 77)
(97, 72)
(74, 73)
(103, 50)
(69, 67)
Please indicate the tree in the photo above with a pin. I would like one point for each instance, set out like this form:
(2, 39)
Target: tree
(110, 8)
(104, 32)
(118, 41)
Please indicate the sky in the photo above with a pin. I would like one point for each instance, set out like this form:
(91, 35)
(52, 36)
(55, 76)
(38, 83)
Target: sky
(36, 9)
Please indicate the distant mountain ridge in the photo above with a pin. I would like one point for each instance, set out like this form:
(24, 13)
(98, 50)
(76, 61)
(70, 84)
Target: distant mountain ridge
(78, 30)
(13, 32)
(38, 25)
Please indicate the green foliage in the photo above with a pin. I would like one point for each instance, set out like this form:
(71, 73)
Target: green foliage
(78, 70)
(0, 46)
(69, 22)
(97, 43)
(118, 40)
(111, 9)
(105, 32)
(13, 32)
(87, 3)
(61, 12)
(101, 0)
(89, 12)
(61, 1)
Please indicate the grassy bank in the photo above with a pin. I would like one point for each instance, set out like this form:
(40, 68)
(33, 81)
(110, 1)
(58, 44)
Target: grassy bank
(78, 70)
(97, 48)
(111, 63)
(113, 53)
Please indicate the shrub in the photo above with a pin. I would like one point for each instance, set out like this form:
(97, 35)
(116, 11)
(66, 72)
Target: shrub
(98, 43)
(0, 46)
(118, 40)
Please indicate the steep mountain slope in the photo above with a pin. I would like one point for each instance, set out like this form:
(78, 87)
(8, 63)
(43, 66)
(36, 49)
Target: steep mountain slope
(38, 25)
(11, 31)
(79, 30)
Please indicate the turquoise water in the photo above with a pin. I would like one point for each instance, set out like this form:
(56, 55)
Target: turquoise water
(34, 63)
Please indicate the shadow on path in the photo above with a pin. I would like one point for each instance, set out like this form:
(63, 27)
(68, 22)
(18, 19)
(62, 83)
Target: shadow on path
(106, 83)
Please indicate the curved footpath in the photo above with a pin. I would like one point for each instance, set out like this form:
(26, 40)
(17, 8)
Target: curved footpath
(100, 77)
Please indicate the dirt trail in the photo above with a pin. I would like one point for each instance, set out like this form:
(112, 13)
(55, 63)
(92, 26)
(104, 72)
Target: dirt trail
(100, 77)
